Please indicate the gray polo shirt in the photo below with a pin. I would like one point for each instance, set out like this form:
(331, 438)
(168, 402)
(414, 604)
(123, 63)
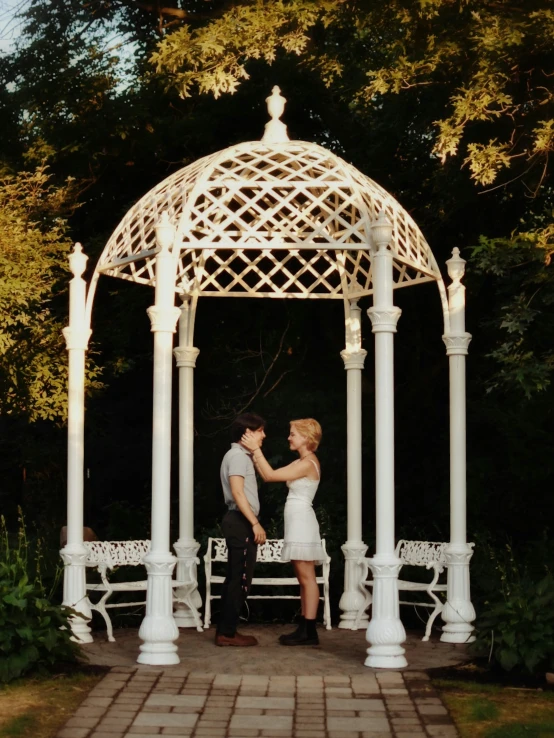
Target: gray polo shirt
(238, 462)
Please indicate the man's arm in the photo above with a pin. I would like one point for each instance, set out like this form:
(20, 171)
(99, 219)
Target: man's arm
(237, 490)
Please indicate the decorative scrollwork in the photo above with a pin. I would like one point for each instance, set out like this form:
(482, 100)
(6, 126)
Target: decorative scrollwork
(268, 552)
(421, 553)
(116, 553)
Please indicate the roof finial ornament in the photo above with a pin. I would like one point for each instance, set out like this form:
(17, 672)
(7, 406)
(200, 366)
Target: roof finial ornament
(275, 130)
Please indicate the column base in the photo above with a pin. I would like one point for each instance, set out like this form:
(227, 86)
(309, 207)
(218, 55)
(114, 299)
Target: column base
(453, 636)
(458, 613)
(353, 599)
(75, 592)
(386, 657)
(385, 631)
(158, 630)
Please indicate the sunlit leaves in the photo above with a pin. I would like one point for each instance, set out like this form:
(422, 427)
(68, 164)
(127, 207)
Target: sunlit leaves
(33, 252)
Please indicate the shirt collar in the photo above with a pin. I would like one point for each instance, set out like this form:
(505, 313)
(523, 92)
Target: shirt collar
(244, 450)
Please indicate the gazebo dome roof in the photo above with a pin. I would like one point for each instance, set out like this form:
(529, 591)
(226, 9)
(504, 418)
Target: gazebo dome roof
(269, 218)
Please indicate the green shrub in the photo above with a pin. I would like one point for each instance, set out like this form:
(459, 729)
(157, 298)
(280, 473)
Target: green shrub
(34, 632)
(516, 628)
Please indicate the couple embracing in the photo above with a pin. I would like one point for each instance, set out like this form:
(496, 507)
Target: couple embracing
(243, 531)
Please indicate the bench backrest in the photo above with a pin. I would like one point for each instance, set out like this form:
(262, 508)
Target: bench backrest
(115, 553)
(269, 552)
(421, 553)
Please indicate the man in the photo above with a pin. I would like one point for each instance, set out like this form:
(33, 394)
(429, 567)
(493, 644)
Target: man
(241, 528)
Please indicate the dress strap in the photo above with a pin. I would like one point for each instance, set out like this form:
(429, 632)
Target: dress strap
(316, 468)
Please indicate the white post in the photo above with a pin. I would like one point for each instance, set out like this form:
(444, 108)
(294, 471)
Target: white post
(353, 356)
(186, 547)
(158, 629)
(385, 631)
(458, 613)
(73, 554)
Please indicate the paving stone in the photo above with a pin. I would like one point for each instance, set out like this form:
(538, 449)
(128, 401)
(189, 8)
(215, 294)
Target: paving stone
(355, 704)
(442, 731)
(394, 691)
(248, 711)
(97, 702)
(242, 732)
(90, 712)
(177, 731)
(156, 708)
(142, 730)
(411, 675)
(432, 709)
(175, 700)
(346, 691)
(260, 722)
(73, 733)
(225, 680)
(271, 733)
(187, 710)
(79, 722)
(265, 703)
(309, 733)
(357, 723)
(413, 733)
(336, 680)
(103, 734)
(165, 720)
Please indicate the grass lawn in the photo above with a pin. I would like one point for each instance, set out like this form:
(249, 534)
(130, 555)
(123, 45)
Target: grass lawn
(492, 711)
(38, 707)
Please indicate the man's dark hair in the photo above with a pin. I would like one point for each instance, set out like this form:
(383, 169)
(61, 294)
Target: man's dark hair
(244, 422)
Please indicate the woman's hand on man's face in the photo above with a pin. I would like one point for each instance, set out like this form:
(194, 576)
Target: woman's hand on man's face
(249, 441)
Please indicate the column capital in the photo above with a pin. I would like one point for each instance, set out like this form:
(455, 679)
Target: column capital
(384, 319)
(457, 345)
(163, 318)
(353, 358)
(76, 338)
(186, 356)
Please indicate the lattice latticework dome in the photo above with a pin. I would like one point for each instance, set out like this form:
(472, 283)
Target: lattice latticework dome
(261, 219)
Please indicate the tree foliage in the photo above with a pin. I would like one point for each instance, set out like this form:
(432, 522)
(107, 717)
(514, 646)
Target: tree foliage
(33, 249)
(464, 91)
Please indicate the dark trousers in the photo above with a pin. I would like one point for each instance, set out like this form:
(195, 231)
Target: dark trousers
(240, 569)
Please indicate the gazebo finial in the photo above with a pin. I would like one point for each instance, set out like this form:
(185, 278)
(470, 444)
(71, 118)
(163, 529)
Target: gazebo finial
(275, 130)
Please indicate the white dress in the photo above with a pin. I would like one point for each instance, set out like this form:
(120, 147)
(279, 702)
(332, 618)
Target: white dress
(302, 540)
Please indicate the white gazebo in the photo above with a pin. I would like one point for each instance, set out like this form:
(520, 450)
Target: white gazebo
(272, 219)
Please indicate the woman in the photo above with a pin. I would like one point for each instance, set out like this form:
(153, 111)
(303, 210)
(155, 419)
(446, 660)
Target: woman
(302, 543)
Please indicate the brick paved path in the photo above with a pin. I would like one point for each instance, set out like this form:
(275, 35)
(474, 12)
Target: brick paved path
(143, 702)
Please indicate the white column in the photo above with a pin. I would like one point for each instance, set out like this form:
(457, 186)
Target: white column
(353, 356)
(74, 554)
(385, 631)
(186, 547)
(158, 629)
(458, 613)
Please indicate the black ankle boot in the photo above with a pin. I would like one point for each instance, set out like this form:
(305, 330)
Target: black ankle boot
(300, 632)
(308, 638)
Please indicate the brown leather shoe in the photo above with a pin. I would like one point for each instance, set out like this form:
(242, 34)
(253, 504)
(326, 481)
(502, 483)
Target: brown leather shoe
(236, 640)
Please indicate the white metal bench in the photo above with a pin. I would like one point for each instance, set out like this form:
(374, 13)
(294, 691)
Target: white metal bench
(106, 555)
(268, 553)
(429, 554)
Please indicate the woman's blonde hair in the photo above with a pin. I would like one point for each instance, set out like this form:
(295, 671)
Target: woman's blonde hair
(310, 429)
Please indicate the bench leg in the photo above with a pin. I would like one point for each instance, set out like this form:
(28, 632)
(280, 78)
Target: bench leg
(100, 607)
